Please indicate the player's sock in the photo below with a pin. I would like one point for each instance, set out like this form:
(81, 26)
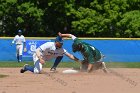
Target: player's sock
(57, 61)
(20, 58)
(29, 68)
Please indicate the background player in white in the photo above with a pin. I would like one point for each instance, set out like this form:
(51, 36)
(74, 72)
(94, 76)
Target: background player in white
(46, 52)
(20, 42)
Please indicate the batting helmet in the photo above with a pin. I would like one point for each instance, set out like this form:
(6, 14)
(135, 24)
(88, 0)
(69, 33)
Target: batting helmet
(59, 39)
(76, 46)
(19, 31)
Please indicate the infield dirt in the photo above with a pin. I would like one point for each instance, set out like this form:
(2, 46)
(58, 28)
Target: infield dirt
(118, 80)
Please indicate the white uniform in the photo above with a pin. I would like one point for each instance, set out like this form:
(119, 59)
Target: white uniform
(48, 51)
(19, 40)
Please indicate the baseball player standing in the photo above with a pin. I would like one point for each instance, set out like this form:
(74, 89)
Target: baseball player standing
(45, 52)
(20, 42)
(92, 56)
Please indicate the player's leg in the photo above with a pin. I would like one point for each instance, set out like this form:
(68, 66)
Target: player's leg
(37, 64)
(57, 61)
(37, 68)
(90, 67)
(100, 65)
(17, 55)
(26, 67)
(20, 52)
(17, 52)
(104, 67)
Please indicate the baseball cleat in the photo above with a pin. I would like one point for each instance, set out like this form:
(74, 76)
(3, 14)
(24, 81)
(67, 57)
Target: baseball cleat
(53, 69)
(104, 67)
(23, 69)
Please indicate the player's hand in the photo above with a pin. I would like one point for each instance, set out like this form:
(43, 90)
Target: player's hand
(42, 61)
(25, 49)
(59, 34)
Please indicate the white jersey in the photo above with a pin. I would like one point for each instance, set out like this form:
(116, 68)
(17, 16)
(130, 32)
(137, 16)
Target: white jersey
(49, 51)
(19, 40)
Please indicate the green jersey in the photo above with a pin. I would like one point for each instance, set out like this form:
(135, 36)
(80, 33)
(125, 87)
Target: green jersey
(89, 52)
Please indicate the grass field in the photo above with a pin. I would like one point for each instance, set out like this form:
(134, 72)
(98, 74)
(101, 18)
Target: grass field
(72, 64)
(47, 64)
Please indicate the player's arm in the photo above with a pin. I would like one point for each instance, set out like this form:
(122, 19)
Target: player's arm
(38, 53)
(13, 40)
(72, 57)
(89, 57)
(91, 62)
(42, 48)
(67, 35)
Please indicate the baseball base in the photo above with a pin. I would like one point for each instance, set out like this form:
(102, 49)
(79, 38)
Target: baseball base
(69, 71)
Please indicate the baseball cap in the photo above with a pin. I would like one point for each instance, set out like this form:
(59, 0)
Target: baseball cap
(19, 31)
(59, 39)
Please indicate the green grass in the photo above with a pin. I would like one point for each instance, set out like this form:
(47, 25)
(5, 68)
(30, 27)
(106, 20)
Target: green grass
(72, 64)
(47, 64)
(2, 76)
(13, 64)
(123, 64)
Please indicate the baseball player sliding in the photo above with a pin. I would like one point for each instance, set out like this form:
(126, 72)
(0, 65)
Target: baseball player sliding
(20, 42)
(46, 52)
(92, 56)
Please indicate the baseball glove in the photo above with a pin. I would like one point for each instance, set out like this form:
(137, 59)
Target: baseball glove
(25, 50)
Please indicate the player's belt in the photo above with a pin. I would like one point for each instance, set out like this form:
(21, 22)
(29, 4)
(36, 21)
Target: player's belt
(19, 44)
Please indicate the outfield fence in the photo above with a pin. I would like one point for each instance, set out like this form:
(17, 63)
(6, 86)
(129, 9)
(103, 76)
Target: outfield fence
(114, 49)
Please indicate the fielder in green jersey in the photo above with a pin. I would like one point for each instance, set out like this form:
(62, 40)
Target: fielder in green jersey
(92, 56)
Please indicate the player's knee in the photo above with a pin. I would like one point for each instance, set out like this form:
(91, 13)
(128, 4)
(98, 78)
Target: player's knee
(36, 71)
(38, 68)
